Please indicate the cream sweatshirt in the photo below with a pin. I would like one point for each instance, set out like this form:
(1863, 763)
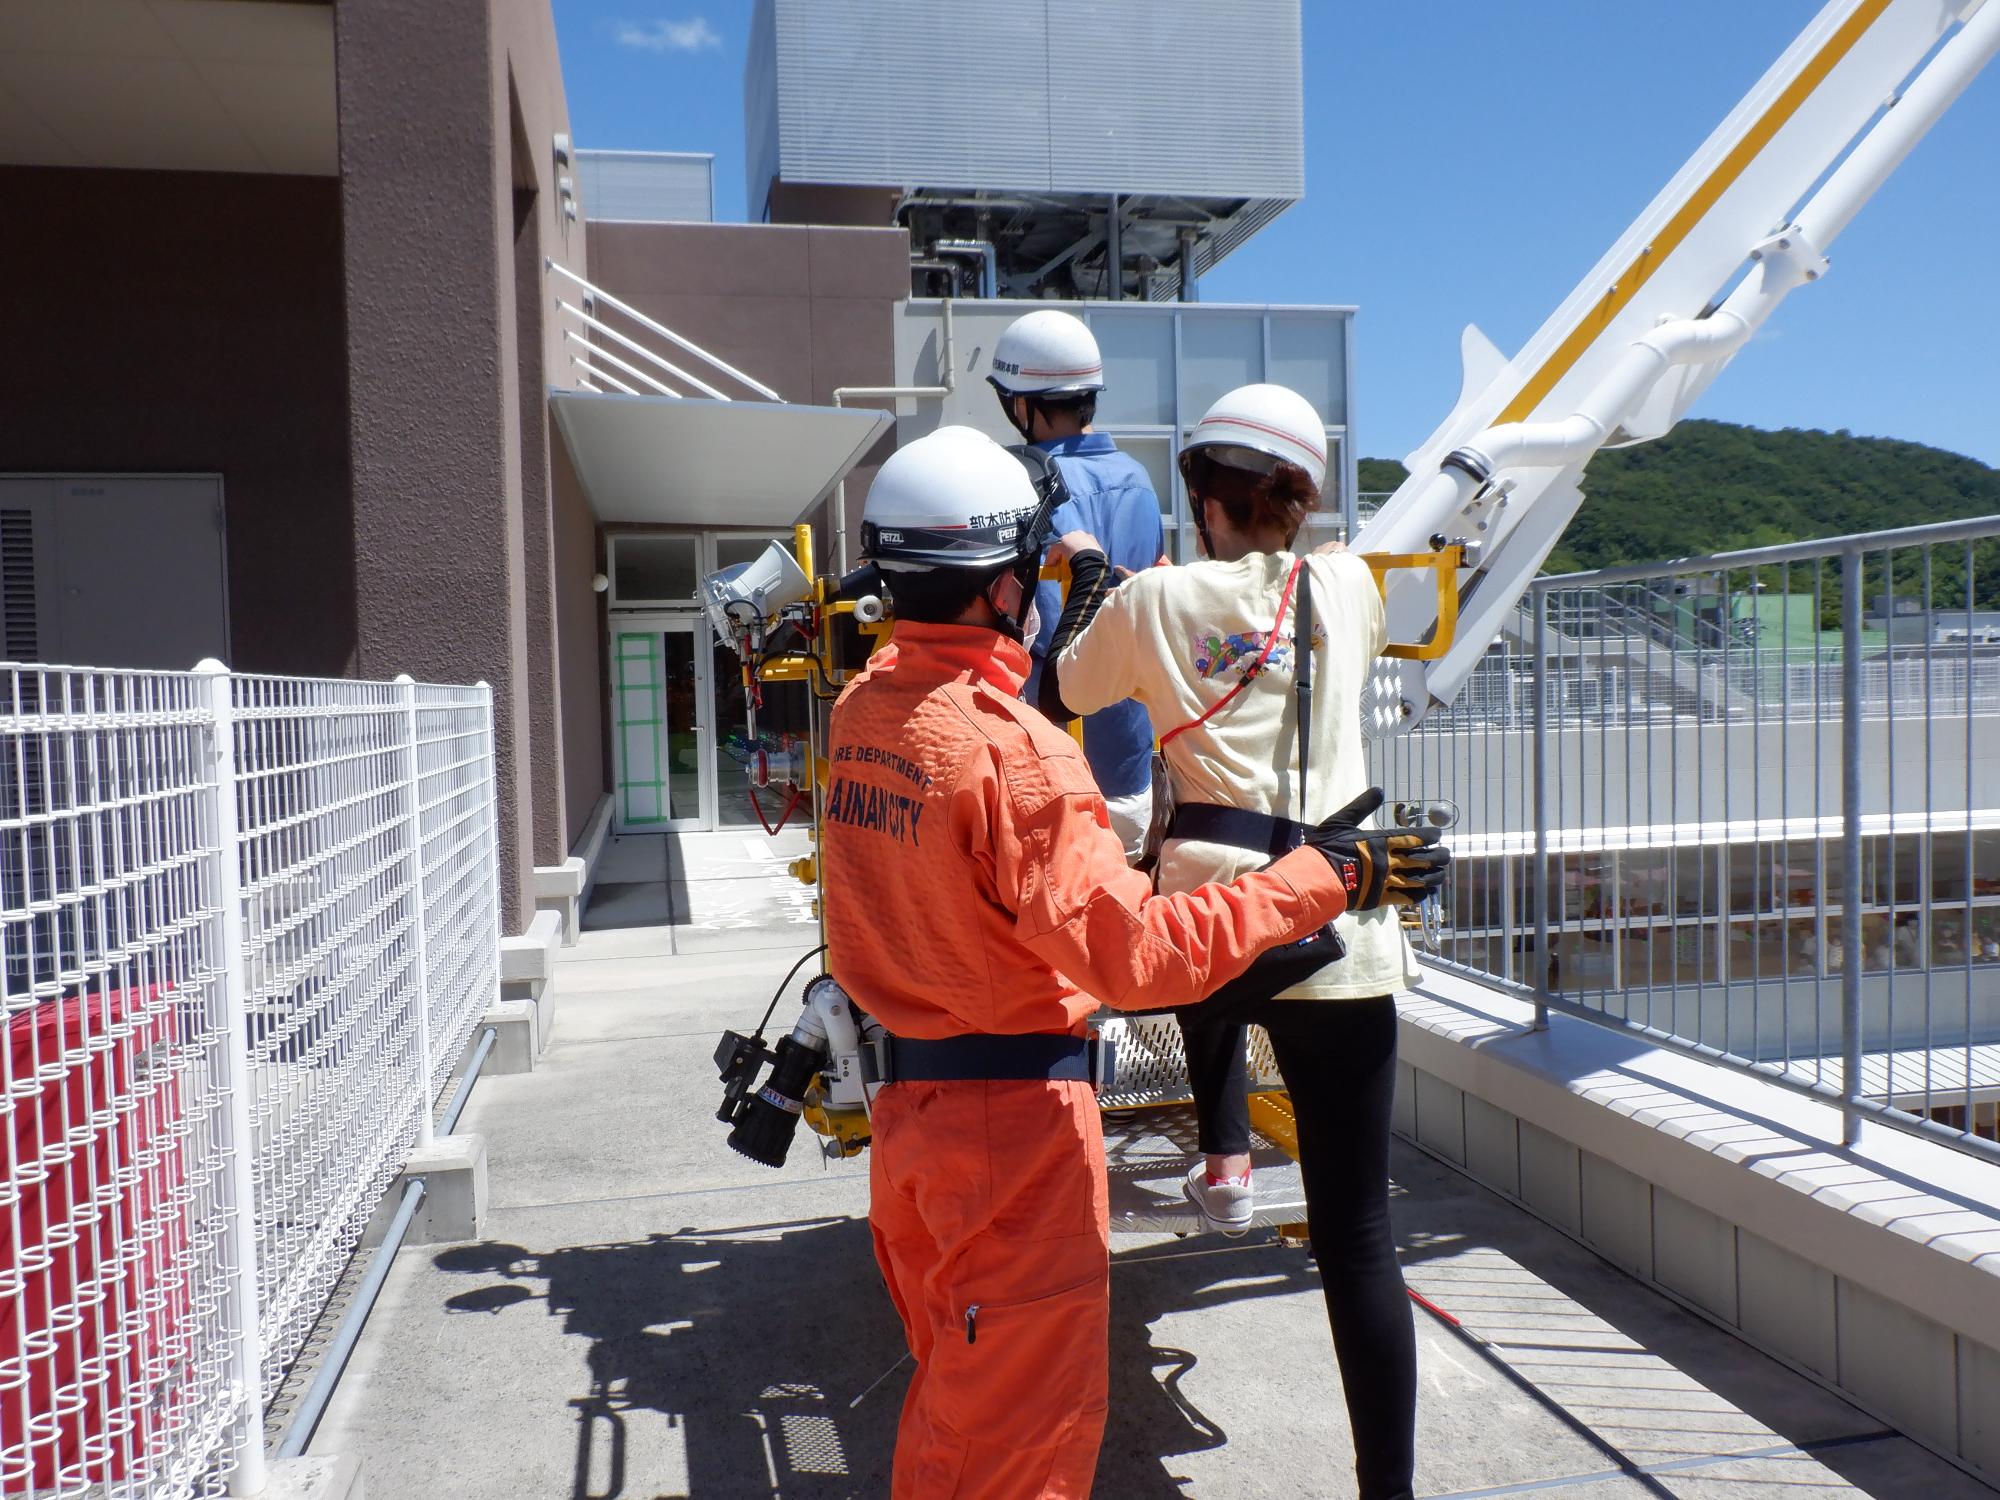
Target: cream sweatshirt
(1178, 639)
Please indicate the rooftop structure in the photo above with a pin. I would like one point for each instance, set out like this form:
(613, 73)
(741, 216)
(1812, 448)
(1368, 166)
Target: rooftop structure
(1053, 134)
(647, 187)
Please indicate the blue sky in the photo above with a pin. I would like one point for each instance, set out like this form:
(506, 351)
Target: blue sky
(1468, 161)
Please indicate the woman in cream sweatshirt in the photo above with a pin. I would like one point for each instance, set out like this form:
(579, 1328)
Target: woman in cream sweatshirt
(1211, 650)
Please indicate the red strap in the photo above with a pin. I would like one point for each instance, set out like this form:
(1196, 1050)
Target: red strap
(1255, 668)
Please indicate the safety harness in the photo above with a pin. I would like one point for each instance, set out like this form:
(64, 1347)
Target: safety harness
(1278, 969)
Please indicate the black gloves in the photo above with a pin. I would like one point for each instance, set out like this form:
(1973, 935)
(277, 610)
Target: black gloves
(1380, 866)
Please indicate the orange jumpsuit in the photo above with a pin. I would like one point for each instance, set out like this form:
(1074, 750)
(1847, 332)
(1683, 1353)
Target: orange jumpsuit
(973, 885)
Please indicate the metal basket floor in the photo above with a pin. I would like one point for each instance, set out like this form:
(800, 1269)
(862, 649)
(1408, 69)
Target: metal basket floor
(1152, 1062)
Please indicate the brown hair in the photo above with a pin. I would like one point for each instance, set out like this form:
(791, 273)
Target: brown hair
(1278, 501)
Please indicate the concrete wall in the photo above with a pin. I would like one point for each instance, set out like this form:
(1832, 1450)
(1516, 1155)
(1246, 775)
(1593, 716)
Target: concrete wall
(191, 322)
(580, 640)
(1870, 1268)
(528, 80)
(457, 564)
(818, 203)
(804, 310)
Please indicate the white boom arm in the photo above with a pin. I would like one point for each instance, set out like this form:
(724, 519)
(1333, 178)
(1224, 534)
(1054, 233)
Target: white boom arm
(1655, 321)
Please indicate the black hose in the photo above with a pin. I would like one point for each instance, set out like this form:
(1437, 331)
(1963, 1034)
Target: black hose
(771, 1009)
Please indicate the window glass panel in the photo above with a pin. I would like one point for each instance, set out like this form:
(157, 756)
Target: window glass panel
(653, 569)
(731, 548)
(682, 772)
(782, 727)
(638, 682)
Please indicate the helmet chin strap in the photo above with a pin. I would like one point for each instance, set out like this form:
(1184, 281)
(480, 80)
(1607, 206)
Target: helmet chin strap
(1007, 400)
(1200, 509)
(1014, 626)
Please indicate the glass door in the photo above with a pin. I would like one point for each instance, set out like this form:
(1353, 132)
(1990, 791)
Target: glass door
(661, 722)
(782, 718)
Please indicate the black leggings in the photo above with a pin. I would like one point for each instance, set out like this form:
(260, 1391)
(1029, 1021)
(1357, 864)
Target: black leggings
(1338, 1058)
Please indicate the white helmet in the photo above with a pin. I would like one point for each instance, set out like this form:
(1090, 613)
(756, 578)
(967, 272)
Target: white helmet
(1047, 353)
(1255, 424)
(954, 498)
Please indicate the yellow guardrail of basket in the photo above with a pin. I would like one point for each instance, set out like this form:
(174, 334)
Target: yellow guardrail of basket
(1443, 566)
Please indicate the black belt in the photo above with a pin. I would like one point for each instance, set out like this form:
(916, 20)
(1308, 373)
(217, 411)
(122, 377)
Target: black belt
(1207, 823)
(953, 1059)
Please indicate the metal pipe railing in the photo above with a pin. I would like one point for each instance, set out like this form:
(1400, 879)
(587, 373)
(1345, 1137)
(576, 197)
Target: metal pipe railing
(638, 348)
(1976, 528)
(1757, 820)
(1850, 844)
(626, 365)
(590, 371)
(600, 295)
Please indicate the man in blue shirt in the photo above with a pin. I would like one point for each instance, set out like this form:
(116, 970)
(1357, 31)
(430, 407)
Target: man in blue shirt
(1048, 371)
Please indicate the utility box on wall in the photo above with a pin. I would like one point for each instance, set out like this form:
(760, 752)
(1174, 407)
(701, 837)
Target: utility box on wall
(113, 570)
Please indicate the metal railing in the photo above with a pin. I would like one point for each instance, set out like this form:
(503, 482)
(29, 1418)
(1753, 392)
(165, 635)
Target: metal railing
(597, 347)
(247, 925)
(1747, 805)
(1642, 682)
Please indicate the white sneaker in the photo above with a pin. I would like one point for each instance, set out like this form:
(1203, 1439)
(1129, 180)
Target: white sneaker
(1225, 1205)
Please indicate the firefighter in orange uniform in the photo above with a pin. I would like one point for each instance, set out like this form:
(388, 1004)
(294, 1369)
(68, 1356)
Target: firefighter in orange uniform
(980, 908)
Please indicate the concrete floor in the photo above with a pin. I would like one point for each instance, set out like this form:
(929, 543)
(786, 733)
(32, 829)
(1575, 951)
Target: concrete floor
(651, 1315)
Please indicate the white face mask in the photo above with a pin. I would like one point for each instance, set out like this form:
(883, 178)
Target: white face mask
(1031, 626)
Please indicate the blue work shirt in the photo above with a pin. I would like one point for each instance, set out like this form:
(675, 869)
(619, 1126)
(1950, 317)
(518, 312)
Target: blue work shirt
(1111, 497)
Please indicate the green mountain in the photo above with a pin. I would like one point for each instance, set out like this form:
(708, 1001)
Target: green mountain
(1717, 487)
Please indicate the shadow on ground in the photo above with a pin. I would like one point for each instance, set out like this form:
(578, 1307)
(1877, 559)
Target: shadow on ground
(769, 1356)
(757, 1341)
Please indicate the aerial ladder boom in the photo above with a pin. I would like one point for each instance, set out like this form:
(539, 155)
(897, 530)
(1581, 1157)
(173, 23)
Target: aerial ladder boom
(1746, 221)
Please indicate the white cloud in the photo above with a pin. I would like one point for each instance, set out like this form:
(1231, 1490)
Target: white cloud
(692, 35)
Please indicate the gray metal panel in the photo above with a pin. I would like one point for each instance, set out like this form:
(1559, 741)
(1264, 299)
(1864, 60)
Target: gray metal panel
(912, 92)
(647, 187)
(962, 93)
(1133, 89)
(760, 113)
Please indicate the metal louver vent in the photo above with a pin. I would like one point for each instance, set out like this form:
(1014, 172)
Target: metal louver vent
(20, 638)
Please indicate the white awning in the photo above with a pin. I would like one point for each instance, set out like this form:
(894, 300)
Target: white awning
(695, 462)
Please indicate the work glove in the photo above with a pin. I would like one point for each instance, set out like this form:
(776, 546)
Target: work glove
(1380, 866)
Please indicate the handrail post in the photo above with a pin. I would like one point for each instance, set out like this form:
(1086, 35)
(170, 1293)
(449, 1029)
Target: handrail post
(413, 817)
(1850, 845)
(239, 1139)
(1540, 754)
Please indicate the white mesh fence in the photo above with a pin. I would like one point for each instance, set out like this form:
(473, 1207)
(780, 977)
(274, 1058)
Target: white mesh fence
(455, 792)
(206, 879)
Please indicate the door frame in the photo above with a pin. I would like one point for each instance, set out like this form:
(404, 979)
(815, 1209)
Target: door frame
(650, 619)
(660, 622)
